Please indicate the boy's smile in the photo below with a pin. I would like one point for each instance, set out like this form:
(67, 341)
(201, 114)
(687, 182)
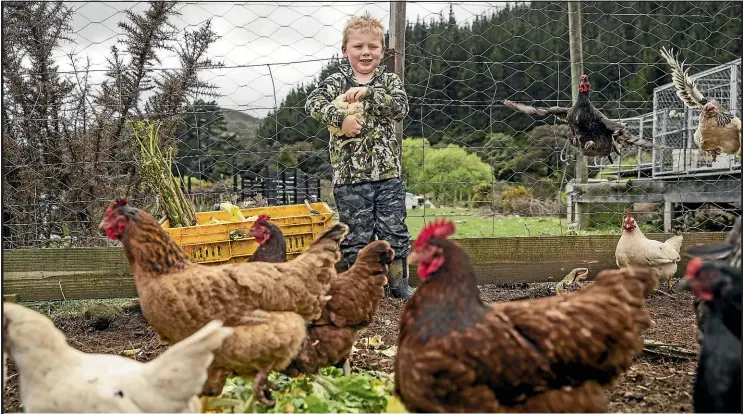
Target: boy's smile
(364, 51)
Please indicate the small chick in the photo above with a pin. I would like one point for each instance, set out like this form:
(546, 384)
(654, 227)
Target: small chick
(54, 377)
(354, 108)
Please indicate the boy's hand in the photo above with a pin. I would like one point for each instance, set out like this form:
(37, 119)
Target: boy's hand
(351, 126)
(355, 94)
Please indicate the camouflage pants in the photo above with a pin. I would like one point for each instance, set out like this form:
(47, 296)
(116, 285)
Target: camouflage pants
(373, 210)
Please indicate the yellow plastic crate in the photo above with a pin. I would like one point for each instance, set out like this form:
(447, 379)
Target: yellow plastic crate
(221, 243)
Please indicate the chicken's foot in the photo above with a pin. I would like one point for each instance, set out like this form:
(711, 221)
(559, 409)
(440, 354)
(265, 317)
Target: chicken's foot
(262, 386)
(347, 367)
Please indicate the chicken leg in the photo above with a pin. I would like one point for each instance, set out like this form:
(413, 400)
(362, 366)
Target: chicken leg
(216, 377)
(262, 386)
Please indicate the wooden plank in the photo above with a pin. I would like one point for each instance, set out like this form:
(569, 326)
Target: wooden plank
(98, 273)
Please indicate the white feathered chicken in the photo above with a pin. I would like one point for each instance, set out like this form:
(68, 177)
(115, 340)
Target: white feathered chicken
(718, 131)
(54, 377)
(634, 249)
(355, 109)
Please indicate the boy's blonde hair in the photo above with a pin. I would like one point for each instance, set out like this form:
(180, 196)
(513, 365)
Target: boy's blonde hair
(364, 22)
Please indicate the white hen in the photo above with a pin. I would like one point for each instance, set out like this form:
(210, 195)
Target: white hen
(54, 377)
(634, 249)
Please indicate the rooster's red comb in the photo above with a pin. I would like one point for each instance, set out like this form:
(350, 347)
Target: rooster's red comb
(114, 205)
(693, 267)
(627, 214)
(262, 218)
(437, 229)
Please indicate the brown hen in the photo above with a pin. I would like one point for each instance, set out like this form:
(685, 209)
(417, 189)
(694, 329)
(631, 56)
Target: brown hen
(718, 131)
(354, 300)
(271, 241)
(268, 304)
(556, 354)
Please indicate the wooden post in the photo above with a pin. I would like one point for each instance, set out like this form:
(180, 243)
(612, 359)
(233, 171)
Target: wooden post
(668, 216)
(296, 185)
(397, 46)
(576, 69)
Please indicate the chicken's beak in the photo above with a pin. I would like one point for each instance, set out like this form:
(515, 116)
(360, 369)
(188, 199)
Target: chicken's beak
(682, 285)
(413, 258)
(102, 226)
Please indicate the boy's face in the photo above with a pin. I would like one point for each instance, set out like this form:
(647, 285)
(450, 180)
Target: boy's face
(364, 51)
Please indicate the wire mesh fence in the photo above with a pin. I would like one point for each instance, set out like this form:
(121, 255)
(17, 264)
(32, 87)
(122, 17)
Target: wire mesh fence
(229, 82)
(676, 126)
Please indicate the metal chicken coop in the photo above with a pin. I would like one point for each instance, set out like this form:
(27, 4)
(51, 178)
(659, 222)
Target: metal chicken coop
(674, 126)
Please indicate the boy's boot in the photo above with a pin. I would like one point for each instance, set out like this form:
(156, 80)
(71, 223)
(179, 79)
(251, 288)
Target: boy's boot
(398, 279)
(341, 266)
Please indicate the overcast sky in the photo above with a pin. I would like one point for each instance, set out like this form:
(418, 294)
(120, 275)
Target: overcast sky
(295, 38)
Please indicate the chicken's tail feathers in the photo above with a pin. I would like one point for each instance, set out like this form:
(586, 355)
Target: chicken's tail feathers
(377, 252)
(676, 242)
(330, 238)
(185, 363)
(686, 87)
(639, 281)
(711, 251)
(634, 140)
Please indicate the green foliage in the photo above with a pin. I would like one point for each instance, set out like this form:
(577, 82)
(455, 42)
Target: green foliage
(201, 139)
(157, 177)
(518, 192)
(457, 73)
(472, 223)
(328, 392)
(447, 174)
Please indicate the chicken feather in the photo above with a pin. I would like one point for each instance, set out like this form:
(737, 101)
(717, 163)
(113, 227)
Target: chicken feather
(634, 249)
(268, 304)
(555, 354)
(718, 131)
(55, 377)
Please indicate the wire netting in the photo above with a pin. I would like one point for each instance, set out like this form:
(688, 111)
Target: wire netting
(228, 81)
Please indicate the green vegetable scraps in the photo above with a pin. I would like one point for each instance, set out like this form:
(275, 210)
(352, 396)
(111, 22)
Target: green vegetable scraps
(329, 391)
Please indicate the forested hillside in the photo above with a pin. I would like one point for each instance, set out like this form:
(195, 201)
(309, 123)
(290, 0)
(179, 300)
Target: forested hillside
(457, 74)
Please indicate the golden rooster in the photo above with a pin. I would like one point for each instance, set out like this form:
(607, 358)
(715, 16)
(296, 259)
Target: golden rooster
(718, 131)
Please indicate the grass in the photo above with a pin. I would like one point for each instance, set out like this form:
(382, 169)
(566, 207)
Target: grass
(469, 224)
(70, 307)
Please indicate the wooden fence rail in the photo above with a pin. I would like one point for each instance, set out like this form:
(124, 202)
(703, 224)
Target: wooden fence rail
(99, 273)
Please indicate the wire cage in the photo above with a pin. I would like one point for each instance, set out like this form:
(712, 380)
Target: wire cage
(674, 125)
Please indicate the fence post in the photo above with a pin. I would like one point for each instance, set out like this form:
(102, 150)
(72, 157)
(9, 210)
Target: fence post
(576, 69)
(296, 185)
(397, 44)
(284, 195)
(317, 181)
(267, 184)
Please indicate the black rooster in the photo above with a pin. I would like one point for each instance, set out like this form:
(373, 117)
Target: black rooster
(717, 385)
(593, 133)
(730, 252)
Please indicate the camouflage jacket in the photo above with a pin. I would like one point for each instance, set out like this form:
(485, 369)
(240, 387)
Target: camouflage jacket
(372, 155)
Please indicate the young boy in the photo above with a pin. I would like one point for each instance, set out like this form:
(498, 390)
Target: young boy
(368, 190)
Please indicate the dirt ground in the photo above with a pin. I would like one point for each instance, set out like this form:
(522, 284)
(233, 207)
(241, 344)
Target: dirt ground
(653, 384)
